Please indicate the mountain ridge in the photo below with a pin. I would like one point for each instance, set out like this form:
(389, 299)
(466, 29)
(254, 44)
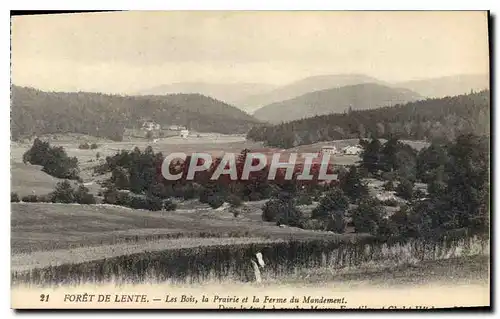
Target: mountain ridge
(335, 100)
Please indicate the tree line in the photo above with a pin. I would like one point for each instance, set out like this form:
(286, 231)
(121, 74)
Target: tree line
(436, 119)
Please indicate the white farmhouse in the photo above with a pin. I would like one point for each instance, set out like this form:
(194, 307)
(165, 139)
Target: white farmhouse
(352, 150)
(184, 133)
(150, 125)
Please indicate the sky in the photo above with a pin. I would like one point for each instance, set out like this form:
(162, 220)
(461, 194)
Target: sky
(124, 52)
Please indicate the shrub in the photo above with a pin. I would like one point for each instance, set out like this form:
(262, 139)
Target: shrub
(337, 222)
(168, 205)
(138, 202)
(154, 203)
(215, 200)
(352, 185)
(290, 216)
(303, 199)
(123, 199)
(405, 189)
(44, 198)
(29, 199)
(367, 216)
(14, 197)
(314, 224)
(94, 146)
(82, 196)
(188, 191)
(111, 195)
(84, 146)
(388, 186)
(333, 201)
(282, 212)
(159, 190)
(234, 200)
(63, 193)
(119, 178)
(255, 196)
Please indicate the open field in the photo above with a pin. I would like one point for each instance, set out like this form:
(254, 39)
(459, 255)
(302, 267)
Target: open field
(47, 226)
(26, 178)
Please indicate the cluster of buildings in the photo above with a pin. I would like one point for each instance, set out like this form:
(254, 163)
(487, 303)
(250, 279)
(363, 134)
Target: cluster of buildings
(153, 126)
(348, 150)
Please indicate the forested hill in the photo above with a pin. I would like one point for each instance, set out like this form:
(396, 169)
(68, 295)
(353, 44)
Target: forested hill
(431, 119)
(335, 100)
(37, 112)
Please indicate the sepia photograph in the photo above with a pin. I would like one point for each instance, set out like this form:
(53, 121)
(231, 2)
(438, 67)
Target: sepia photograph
(250, 160)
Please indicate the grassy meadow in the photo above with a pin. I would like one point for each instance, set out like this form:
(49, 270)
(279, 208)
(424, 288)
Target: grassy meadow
(59, 244)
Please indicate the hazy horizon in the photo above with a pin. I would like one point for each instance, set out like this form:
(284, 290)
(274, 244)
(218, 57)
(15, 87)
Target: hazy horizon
(126, 52)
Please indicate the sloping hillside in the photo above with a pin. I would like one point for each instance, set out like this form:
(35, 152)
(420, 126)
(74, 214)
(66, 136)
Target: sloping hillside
(431, 119)
(307, 85)
(337, 100)
(35, 112)
(447, 86)
(228, 92)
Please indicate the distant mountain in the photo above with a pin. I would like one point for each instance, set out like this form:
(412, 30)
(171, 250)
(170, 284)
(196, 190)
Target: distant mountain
(37, 112)
(337, 100)
(230, 93)
(448, 85)
(309, 84)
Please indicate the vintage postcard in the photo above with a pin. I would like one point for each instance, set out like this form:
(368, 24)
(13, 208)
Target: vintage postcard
(250, 160)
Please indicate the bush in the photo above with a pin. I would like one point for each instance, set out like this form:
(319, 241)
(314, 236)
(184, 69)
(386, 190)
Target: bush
(314, 224)
(154, 203)
(44, 198)
(352, 185)
(82, 196)
(29, 199)
(63, 193)
(111, 196)
(303, 199)
(138, 202)
(282, 212)
(271, 210)
(215, 200)
(333, 201)
(337, 222)
(94, 146)
(168, 205)
(367, 216)
(123, 199)
(290, 216)
(234, 200)
(255, 196)
(405, 189)
(119, 178)
(14, 197)
(84, 146)
(388, 186)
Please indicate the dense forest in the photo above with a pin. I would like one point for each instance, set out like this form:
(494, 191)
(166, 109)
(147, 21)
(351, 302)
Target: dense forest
(36, 112)
(431, 119)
